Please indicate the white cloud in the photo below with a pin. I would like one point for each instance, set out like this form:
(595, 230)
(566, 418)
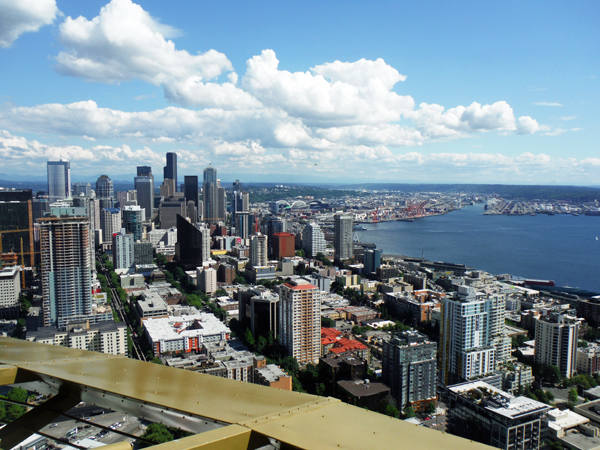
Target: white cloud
(547, 104)
(568, 118)
(23, 16)
(124, 42)
(527, 125)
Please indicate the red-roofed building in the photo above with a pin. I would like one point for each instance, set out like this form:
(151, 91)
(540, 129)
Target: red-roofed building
(329, 336)
(343, 345)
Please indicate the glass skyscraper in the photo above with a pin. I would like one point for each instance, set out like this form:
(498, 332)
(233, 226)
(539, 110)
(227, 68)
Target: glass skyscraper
(59, 180)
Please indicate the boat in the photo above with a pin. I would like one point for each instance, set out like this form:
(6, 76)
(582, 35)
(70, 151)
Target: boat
(533, 214)
(575, 214)
(359, 227)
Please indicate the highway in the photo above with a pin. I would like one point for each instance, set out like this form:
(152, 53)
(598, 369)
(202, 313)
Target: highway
(115, 302)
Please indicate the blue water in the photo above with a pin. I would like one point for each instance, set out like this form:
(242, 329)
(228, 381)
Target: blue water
(562, 247)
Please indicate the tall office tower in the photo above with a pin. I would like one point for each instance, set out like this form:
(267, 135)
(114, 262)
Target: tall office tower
(193, 242)
(133, 219)
(110, 223)
(105, 191)
(222, 201)
(313, 240)
(236, 200)
(258, 250)
(82, 188)
(191, 211)
(409, 369)
(300, 321)
(170, 170)
(372, 260)
(210, 195)
(342, 239)
(123, 256)
(59, 180)
(556, 342)
(469, 335)
(270, 226)
(144, 185)
(190, 185)
(16, 224)
(242, 224)
(66, 269)
(169, 209)
(245, 201)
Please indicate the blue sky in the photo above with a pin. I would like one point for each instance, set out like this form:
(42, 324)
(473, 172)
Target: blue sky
(473, 92)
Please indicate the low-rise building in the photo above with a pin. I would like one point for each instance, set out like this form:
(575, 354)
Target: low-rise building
(104, 337)
(273, 376)
(588, 359)
(184, 333)
(10, 286)
(151, 305)
(363, 393)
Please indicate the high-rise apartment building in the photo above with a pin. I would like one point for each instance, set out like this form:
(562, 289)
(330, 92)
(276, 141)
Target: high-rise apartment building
(284, 245)
(556, 342)
(242, 225)
(105, 192)
(66, 268)
(110, 223)
(313, 239)
(342, 239)
(207, 280)
(16, 224)
(409, 369)
(170, 170)
(300, 321)
(123, 256)
(59, 180)
(143, 253)
(133, 219)
(144, 185)
(472, 335)
(258, 250)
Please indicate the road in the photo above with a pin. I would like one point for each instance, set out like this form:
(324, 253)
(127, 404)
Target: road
(115, 303)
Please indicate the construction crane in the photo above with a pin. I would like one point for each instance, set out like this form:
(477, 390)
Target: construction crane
(22, 253)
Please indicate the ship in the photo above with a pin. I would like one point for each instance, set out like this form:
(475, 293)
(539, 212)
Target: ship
(359, 228)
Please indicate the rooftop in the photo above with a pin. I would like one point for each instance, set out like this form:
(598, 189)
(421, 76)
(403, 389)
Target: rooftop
(171, 328)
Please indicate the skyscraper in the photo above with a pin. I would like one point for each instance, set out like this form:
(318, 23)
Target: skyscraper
(313, 239)
(190, 185)
(170, 170)
(342, 240)
(66, 269)
(144, 185)
(210, 195)
(110, 223)
(193, 242)
(105, 192)
(59, 180)
(82, 188)
(300, 321)
(472, 335)
(258, 250)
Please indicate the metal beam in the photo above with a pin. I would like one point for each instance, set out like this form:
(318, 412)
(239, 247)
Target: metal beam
(257, 415)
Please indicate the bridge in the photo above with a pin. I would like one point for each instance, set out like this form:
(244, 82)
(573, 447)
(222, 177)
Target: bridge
(223, 413)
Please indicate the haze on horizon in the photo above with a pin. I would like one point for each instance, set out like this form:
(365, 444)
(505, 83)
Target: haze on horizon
(411, 93)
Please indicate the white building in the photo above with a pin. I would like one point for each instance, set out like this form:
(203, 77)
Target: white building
(588, 359)
(184, 333)
(473, 337)
(110, 222)
(104, 337)
(123, 250)
(258, 250)
(168, 237)
(10, 286)
(556, 342)
(313, 239)
(300, 321)
(206, 279)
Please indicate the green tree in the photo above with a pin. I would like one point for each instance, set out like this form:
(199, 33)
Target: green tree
(573, 396)
(326, 322)
(430, 408)
(409, 412)
(157, 433)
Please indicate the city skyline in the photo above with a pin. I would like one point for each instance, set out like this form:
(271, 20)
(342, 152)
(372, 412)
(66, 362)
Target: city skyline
(466, 93)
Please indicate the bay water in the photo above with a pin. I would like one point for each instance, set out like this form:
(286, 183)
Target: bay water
(562, 247)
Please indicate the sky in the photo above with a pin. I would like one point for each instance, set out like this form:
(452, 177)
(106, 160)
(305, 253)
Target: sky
(313, 91)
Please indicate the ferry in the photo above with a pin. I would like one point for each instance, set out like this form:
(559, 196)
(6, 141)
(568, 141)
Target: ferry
(359, 228)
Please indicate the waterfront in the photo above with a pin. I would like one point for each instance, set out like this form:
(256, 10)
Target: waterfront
(562, 247)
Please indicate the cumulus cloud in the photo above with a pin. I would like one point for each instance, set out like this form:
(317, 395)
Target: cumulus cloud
(23, 16)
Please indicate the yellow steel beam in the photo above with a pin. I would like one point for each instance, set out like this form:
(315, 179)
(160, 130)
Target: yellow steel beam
(255, 412)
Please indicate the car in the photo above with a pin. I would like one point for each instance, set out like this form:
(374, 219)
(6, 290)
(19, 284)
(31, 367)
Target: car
(54, 425)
